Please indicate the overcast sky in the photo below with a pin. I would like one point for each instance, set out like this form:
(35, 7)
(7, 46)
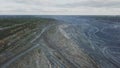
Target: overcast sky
(77, 7)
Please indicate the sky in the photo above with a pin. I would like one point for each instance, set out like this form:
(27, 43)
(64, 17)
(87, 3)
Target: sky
(60, 7)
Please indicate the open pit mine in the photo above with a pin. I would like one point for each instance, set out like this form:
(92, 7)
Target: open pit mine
(59, 41)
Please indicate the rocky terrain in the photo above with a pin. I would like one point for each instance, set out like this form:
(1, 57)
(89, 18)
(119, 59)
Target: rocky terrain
(59, 42)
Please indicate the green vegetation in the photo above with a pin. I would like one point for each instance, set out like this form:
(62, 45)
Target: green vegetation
(10, 21)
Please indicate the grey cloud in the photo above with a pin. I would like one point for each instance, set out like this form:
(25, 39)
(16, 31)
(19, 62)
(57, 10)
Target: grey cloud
(52, 6)
(96, 4)
(26, 2)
